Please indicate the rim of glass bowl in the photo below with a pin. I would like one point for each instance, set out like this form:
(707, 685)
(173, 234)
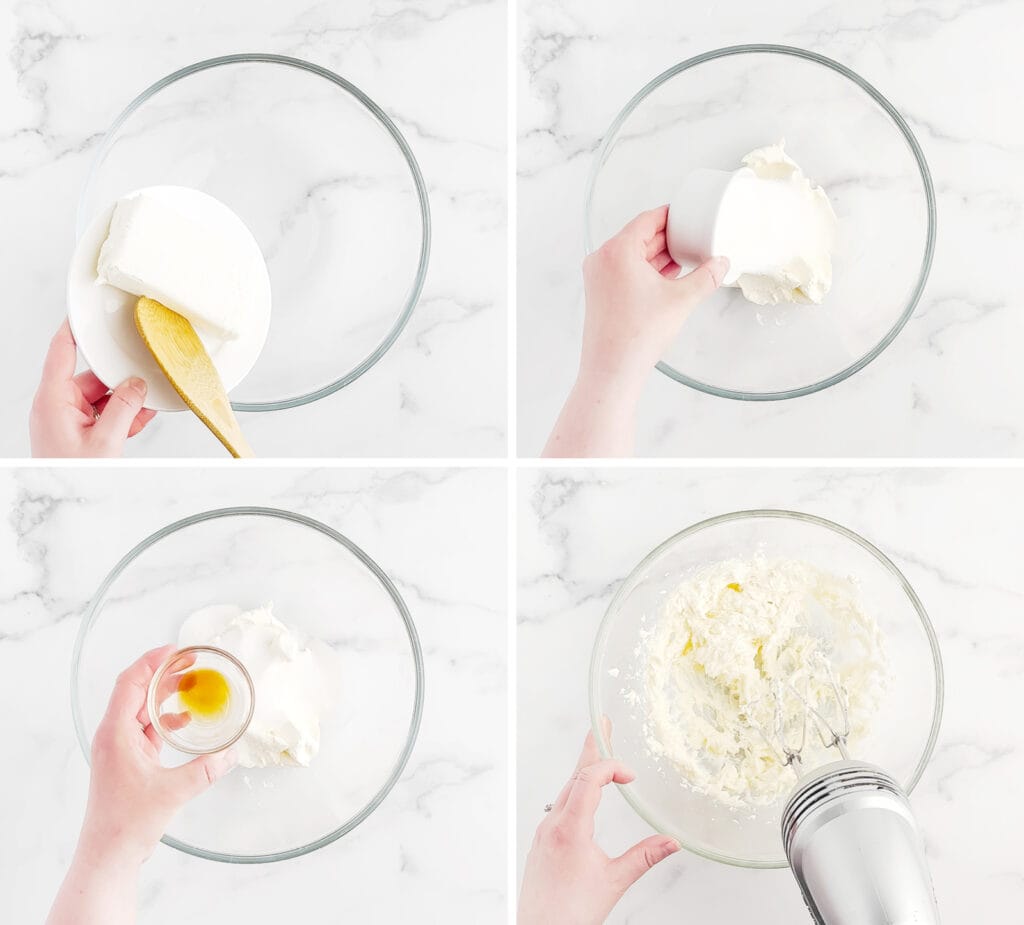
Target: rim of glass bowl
(81, 221)
(410, 628)
(611, 136)
(627, 583)
(154, 713)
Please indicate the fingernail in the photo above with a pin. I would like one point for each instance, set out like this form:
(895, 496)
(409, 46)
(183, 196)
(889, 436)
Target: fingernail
(138, 385)
(670, 846)
(718, 266)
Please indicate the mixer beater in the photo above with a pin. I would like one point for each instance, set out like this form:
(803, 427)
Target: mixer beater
(849, 833)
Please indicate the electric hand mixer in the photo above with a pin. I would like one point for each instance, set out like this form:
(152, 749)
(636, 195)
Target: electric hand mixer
(848, 831)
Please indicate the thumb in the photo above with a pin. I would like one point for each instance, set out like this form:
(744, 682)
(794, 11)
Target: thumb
(632, 865)
(191, 779)
(700, 283)
(124, 404)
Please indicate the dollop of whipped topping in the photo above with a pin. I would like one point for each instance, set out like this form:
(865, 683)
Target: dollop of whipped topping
(285, 726)
(731, 649)
(775, 226)
(779, 231)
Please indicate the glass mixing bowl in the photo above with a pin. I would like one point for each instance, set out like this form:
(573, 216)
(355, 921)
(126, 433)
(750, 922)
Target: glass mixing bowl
(902, 734)
(324, 586)
(324, 180)
(710, 111)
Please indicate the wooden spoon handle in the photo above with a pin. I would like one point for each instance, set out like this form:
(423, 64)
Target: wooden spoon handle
(218, 415)
(181, 355)
(230, 434)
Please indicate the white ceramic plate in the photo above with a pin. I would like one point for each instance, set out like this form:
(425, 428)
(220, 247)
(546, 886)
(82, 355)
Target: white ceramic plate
(103, 317)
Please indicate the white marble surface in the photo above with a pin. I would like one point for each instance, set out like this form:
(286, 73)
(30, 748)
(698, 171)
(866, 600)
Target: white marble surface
(437, 68)
(948, 385)
(956, 536)
(436, 848)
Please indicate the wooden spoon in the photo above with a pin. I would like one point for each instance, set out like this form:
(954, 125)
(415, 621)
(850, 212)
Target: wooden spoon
(177, 348)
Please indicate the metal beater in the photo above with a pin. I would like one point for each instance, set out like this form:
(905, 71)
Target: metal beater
(848, 830)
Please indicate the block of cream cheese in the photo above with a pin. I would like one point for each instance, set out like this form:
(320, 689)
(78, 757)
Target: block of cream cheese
(155, 250)
(777, 228)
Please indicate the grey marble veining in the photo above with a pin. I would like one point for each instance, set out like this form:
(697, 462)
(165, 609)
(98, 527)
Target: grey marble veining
(947, 385)
(436, 848)
(956, 536)
(437, 68)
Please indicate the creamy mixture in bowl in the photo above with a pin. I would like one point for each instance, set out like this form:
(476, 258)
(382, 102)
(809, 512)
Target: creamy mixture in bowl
(742, 649)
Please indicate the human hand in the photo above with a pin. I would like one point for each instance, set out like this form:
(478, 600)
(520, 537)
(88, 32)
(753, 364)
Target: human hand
(132, 797)
(78, 416)
(568, 879)
(635, 306)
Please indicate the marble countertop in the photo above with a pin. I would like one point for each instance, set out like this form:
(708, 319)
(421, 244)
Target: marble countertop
(69, 68)
(438, 842)
(955, 534)
(949, 384)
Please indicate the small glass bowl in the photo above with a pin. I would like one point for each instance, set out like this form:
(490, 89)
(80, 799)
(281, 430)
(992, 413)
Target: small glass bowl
(189, 731)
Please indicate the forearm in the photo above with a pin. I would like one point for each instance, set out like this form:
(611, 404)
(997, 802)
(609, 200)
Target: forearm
(597, 420)
(97, 890)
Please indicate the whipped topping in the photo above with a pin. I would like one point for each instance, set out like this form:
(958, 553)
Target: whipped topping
(285, 726)
(731, 645)
(202, 270)
(777, 228)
